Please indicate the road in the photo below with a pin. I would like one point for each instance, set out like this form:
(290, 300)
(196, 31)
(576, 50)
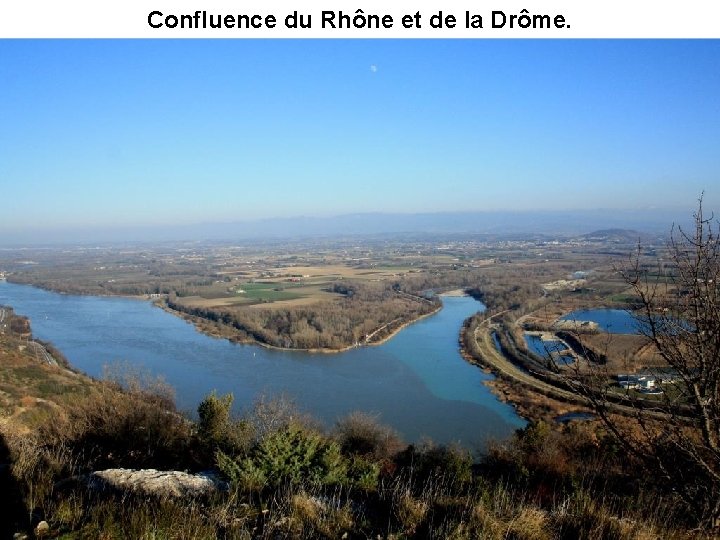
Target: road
(41, 353)
(497, 362)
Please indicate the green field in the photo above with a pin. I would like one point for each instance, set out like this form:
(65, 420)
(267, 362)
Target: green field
(269, 292)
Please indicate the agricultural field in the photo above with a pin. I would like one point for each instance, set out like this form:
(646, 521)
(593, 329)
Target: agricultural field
(288, 285)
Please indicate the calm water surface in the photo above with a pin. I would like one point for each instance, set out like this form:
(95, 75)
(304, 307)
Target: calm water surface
(545, 348)
(417, 382)
(613, 321)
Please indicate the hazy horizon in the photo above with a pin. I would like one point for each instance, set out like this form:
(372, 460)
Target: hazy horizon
(528, 223)
(108, 137)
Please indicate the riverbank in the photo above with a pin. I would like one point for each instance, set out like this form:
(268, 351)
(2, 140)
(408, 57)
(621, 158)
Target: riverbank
(454, 292)
(59, 290)
(37, 380)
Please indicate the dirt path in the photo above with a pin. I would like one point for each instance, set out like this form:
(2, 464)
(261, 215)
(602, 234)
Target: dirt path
(380, 329)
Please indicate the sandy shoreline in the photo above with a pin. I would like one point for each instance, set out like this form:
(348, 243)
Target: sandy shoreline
(454, 292)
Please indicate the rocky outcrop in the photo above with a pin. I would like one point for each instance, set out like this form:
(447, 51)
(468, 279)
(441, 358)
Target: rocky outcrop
(158, 483)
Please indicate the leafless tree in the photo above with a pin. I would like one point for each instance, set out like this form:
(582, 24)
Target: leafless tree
(677, 433)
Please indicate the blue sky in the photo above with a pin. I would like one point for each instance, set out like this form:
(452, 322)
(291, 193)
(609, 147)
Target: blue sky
(104, 133)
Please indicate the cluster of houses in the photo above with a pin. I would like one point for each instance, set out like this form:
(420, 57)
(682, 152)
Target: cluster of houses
(647, 383)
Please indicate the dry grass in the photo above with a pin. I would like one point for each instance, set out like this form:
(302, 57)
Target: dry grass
(410, 512)
(530, 523)
(624, 352)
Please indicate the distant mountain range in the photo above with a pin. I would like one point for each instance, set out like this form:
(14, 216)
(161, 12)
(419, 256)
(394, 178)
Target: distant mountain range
(555, 222)
(623, 236)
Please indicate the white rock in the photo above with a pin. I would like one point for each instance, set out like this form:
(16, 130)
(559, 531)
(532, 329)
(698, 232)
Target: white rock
(42, 528)
(154, 482)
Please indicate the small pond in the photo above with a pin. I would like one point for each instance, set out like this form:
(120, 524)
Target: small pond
(613, 321)
(552, 348)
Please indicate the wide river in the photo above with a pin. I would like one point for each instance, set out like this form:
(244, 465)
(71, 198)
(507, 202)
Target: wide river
(416, 382)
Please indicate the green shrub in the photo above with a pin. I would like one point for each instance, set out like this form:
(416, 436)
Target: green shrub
(292, 455)
(214, 418)
(363, 473)
(216, 430)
